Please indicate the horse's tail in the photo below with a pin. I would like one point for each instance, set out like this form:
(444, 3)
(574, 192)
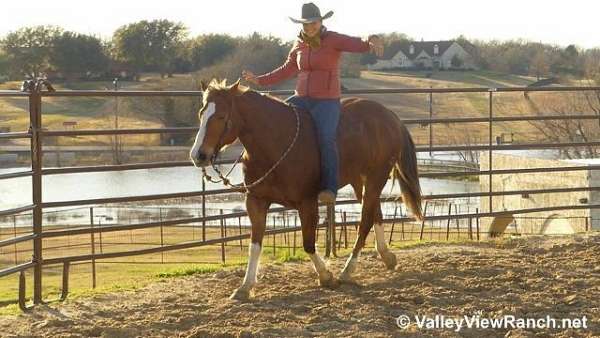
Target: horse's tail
(406, 172)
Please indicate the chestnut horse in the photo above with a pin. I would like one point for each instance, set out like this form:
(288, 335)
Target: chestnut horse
(281, 165)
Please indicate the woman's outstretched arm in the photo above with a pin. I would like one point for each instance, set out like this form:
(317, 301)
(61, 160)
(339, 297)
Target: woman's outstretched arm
(284, 72)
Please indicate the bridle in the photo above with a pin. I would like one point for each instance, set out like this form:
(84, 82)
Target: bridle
(243, 187)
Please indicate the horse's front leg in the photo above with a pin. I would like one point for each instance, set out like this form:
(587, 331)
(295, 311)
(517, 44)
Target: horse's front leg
(257, 212)
(309, 216)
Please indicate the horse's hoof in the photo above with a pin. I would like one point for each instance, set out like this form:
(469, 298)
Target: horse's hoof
(327, 281)
(347, 279)
(241, 295)
(389, 259)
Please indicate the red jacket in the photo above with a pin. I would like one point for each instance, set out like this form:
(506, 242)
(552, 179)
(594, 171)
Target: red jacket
(317, 69)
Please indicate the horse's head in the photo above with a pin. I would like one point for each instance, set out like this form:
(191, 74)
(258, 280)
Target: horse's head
(219, 121)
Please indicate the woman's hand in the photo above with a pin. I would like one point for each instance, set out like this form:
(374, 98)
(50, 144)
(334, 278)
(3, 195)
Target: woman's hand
(249, 76)
(376, 45)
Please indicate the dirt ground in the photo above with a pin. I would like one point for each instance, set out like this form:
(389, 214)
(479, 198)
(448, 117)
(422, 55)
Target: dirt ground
(530, 277)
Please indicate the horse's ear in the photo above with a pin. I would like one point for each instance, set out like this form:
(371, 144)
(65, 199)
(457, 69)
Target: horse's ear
(203, 85)
(235, 85)
(237, 88)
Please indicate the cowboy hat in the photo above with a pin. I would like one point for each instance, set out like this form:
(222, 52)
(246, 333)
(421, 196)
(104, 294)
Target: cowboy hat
(311, 13)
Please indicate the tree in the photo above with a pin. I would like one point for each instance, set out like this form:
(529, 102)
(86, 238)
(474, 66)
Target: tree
(592, 66)
(568, 130)
(4, 65)
(149, 45)
(206, 50)
(28, 50)
(75, 55)
(539, 65)
(257, 53)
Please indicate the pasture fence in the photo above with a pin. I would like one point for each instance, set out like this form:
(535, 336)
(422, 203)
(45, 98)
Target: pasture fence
(225, 229)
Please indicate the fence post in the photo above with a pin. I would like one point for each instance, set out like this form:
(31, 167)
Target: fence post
(15, 233)
(162, 241)
(203, 210)
(491, 115)
(393, 223)
(430, 124)
(423, 223)
(22, 290)
(35, 120)
(286, 234)
(93, 242)
(222, 238)
(273, 236)
(457, 221)
(586, 225)
(327, 234)
(448, 223)
(331, 216)
(295, 231)
(477, 222)
(240, 227)
(471, 228)
(65, 281)
(345, 220)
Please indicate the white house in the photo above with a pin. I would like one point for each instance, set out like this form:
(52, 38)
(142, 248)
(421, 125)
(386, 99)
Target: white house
(426, 55)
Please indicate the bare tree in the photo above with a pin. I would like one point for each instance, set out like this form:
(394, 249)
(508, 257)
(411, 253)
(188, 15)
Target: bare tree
(565, 129)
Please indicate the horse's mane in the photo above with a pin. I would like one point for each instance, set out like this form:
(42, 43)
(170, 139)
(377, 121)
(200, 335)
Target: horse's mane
(216, 86)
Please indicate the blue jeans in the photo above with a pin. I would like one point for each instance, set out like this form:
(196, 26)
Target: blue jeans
(326, 115)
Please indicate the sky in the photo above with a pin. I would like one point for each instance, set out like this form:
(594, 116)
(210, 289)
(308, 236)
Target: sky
(550, 21)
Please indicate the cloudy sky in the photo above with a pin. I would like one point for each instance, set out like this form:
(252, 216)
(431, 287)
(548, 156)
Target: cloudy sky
(550, 21)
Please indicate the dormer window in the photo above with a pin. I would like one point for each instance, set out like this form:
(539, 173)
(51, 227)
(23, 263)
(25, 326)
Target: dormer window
(412, 49)
(436, 49)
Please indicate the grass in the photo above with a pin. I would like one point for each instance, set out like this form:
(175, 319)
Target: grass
(194, 270)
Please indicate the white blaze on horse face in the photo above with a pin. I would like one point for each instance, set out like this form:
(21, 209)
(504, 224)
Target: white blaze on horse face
(210, 110)
(252, 270)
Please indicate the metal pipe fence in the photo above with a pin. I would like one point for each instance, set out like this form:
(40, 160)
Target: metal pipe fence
(37, 235)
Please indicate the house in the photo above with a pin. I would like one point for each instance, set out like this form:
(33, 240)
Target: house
(427, 55)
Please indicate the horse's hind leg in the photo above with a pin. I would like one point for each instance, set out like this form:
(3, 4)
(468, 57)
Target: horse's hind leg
(386, 255)
(257, 212)
(309, 216)
(370, 206)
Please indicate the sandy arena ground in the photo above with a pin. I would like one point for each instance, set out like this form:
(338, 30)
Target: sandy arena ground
(528, 278)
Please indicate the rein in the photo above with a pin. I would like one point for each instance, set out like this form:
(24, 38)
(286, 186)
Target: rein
(243, 187)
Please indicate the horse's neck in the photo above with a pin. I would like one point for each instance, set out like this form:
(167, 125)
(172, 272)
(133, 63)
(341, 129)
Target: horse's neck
(268, 125)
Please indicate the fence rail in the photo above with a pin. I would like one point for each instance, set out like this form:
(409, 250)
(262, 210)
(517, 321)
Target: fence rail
(36, 134)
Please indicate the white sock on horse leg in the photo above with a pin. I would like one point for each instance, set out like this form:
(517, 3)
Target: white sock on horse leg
(380, 243)
(252, 270)
(320, 266)
(350, 266)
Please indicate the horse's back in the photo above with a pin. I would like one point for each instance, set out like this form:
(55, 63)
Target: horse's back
(371, 119)
(368, 135)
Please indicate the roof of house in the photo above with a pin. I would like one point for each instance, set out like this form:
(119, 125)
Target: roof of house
(427, 46)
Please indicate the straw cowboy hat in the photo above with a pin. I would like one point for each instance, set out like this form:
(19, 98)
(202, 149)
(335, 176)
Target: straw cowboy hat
(311, 13)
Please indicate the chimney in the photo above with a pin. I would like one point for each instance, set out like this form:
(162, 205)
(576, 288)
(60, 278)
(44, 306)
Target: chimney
(412, 49)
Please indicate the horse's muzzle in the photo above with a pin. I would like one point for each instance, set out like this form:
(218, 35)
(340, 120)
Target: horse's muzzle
(201, 160)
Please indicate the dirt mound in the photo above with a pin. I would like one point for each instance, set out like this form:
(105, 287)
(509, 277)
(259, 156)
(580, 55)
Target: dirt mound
(528, 278)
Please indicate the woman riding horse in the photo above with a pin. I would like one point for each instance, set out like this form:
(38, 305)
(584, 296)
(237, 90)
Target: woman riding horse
(316, 57)
(283, 161)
